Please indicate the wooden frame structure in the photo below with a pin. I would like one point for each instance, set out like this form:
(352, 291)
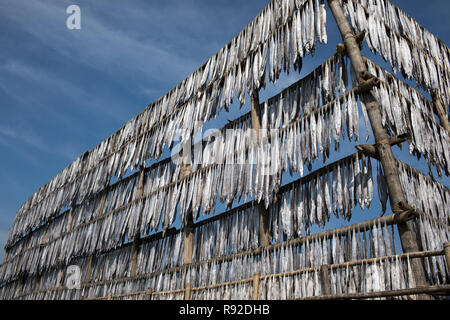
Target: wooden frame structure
(105, 229)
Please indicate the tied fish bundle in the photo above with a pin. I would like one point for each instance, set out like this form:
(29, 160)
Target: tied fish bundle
(399, 39)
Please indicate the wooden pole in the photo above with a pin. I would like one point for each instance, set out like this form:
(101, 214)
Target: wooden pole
(136, 244)
(188, 240)
(443, 289)
(397, 198)
(137, 237)
(325, 280)
(264, 235)
(447, 253)
(186, 169)
(88, 275)
(59, 278)
(149, 293)
(255, 285)
(69, 220)
(187, 293)
(440, 111)
(38, 284)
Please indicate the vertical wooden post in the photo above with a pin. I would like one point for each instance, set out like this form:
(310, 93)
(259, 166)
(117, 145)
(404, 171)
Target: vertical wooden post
(447, 253)
(21, 285)
(134, 258)
(256, 276)
(141, 183)
(69, 220)
(103, 203)
(188, 240)
(188, 224)
(59, 278)
(382, 142)
(137, 237)
(44, 238)
(440, 111)
(187, 293)
(38, 284)
(88, 275)
(325, 280)
(149, 293)
(264, 235)
(5, 258)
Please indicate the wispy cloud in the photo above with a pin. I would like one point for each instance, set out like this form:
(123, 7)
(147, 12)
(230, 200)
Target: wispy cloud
(31, 138)
(99, 41)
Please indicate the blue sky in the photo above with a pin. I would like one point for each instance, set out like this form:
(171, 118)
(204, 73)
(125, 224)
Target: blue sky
(64, 91)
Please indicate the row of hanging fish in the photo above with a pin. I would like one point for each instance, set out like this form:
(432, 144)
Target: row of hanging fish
(390, 274)
(239, 66)
(386, 275)
(75, 244)
(404, 110)
(321, 86)
(354, 245)
(399, 39)
(337, 190)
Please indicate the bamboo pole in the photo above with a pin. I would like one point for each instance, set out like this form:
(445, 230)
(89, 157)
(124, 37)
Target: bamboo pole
(256, 285)
(59, 278)
(443, 289)
(188, 240)
(447, 253)
(264, 235)
(149, 293)
(88, 275)
(137, 237)
(325, 280)
(397, 198)
(69, 219)
(136, 244)
(187, 293)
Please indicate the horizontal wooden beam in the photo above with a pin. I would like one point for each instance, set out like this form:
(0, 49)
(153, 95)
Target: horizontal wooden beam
(437, 290)
(371, 150)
